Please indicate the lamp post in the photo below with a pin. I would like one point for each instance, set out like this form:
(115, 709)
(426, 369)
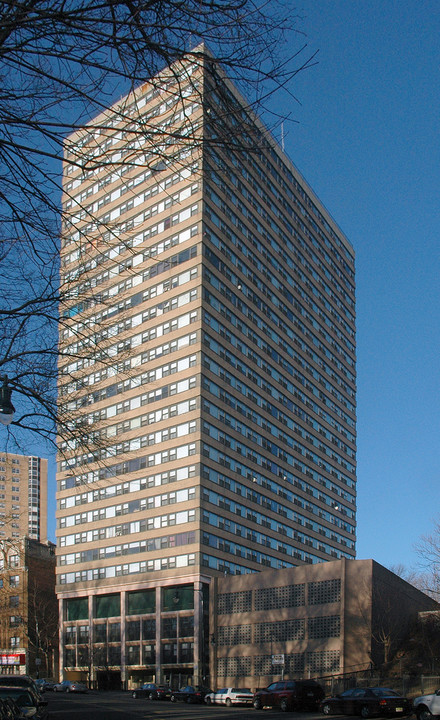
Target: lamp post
(6, 407)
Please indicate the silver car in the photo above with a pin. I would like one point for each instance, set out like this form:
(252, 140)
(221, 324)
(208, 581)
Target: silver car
(425, 706)
(230, 696)
(70, 686)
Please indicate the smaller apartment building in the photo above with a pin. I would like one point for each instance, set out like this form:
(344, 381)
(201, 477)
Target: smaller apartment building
(309, 621)
(28, 608)
(23, 497)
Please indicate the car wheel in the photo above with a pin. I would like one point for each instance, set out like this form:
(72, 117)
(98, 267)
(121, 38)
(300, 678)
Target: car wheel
(326, 709)
(134, 695)
(228, 702)
(151, 696)
(67, 690)
(173, 698)
(423, 713)
(365, 711)
(188, 700)
(257, 704)
(208, 701)
(284, 705)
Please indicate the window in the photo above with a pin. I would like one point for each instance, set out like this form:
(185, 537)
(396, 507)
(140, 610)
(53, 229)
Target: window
(15, 641)
(14, 580)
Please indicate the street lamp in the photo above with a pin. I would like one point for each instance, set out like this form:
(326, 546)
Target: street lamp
(6, 407)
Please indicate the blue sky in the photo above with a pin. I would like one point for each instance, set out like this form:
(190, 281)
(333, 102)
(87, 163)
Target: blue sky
(367, 140)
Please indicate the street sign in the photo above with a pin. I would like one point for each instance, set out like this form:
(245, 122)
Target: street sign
(278, 659)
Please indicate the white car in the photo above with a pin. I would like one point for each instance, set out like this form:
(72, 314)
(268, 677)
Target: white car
(230, 696)
(425, 706)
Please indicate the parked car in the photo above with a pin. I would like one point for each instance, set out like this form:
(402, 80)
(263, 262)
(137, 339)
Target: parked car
(44, 684)
(230, 696)
(70, 686)
(28, 704)
(152, 692)
(290, 695)
(22, 681)
(190, 694)
(367, 702)
(425, 706)
(19, 681)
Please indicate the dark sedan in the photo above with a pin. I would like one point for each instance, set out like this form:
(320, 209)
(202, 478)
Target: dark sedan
(190, 694)
(152, 692)
(367, 702)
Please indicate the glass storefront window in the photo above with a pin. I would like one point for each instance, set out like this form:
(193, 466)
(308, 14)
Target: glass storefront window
(77, 609)
(114, 655)
(107, 606)
(186, 626)
(114, 632)
(100, 633)
(133, 630)
(83, 656)
(169, 627)
(149, 654)
(169, 653)
(132, 654)
(149, 629)
(187, 653)
(180, 597)
(69, 657)
(141, 602)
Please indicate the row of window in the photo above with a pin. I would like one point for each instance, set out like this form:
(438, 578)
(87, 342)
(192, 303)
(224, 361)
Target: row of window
(128, 508)
(320, 661)
(163, 563)
(118, 307)
(277, 506)
(318, 592)
(96, 338)
(264, 289)
(337, 269)
(150, 545)
(120, 387)
(267, 632)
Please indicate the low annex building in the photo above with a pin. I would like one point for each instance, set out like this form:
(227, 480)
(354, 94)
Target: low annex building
(309, 621)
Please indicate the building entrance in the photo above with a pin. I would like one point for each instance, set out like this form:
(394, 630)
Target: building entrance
(108, 680)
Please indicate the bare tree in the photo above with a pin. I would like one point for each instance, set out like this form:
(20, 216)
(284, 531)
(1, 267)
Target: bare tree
(428, 552)
(61, 63)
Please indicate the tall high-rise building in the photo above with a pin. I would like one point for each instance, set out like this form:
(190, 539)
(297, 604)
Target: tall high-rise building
(23, 497)
(208, 368)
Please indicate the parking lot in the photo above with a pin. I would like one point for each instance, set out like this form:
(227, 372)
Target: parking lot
(118, 705)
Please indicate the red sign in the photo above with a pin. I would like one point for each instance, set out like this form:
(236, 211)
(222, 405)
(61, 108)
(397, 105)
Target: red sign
(13, 659)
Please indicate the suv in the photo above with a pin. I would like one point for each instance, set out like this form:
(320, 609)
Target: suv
(290, 695)
(425, 706)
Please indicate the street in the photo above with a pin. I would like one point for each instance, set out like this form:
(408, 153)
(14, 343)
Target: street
(119, 705)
